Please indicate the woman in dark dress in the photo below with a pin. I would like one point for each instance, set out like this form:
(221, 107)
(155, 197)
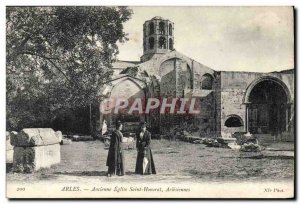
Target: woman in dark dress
(144, 161)
(115, 157)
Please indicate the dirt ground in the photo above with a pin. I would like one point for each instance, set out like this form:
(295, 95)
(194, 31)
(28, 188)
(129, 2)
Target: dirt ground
(175, 161)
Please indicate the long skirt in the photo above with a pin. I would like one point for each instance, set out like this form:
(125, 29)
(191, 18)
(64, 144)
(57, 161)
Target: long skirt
(149, 168)
(116, 165)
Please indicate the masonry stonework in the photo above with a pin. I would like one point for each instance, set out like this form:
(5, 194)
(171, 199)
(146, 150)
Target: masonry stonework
(229, 102)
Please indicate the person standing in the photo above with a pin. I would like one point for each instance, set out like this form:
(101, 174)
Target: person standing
(144, 161)
(115, 157)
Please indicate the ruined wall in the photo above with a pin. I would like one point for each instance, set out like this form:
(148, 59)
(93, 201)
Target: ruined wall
(127, 88)
(168, 89)
(232, 103)
(224, 99)
(153, 118)
(206, 120)
(232, 91)
(178, 80)
(218, 107)
(168, 78)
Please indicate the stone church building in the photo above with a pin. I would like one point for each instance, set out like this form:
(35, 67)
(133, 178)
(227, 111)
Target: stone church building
(229, 101)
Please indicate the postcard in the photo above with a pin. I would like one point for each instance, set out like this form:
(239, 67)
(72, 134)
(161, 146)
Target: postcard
(150, 102)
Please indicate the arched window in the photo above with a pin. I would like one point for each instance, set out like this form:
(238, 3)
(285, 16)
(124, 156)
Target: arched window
(151, 43)
(170, 29)
(207, 82)
(189, 78)
(162, 43)
(161, 28)
(234, 121)
(151, 28)
(170, 44)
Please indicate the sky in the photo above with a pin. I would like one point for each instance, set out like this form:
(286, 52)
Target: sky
(255, 39)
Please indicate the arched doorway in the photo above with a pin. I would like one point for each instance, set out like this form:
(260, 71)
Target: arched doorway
(268, 108)
(124, 89)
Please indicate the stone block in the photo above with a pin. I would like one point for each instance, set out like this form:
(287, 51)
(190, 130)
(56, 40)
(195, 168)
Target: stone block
(226, 134)
(124, 139)
(185, 133)
(8, 140)
(226, 140)
(9, 147)
(234, 146)
(250, 148)
(30, 137)
(200, 141)
(66, 141)
(128, 145)
(30, 159)
(82, 138)
(59, 136)
(9, 156)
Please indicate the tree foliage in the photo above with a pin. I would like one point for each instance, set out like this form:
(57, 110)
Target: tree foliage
(58, 58)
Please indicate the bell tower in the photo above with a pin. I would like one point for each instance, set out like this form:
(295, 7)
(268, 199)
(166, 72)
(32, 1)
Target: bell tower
(158, 37)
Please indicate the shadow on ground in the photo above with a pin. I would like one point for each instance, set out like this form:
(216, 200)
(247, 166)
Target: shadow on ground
(88, 173)
(83, 173)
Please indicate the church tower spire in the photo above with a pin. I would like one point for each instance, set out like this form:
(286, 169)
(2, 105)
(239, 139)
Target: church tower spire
(158, 37)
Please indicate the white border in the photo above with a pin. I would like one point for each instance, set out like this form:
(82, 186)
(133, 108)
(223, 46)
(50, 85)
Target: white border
(113, 2)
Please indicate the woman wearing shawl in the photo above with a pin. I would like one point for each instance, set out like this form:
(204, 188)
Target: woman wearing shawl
(144, 161)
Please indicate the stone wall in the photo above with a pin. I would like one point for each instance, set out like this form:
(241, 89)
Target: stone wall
(241, 80)
(153, 119)
(168, 78)
(233, 87)
(178, 80)
(232, 103)
(205, 120)
(218, 107)
(226, 97)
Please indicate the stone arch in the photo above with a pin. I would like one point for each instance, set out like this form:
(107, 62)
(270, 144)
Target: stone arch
(173, 55)
(234, 120)
(107, 92)
(151, 28)
(170, 44)
(207, 82)
(264, 78)
(126, 88)
(151, 43)
(170, 29)
(268, 107)
(161, 28)
(162, 43)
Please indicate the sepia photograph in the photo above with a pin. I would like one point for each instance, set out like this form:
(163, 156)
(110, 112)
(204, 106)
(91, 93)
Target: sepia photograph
(150, 102)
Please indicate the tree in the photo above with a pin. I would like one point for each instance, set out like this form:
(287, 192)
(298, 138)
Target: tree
(58, 58)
